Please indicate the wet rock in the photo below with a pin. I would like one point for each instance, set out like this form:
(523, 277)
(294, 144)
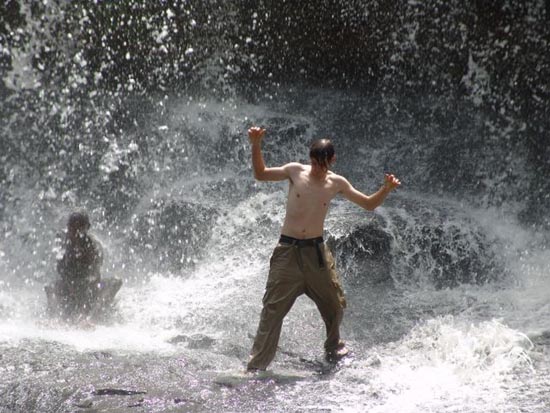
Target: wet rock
(102, 355)
(172, 234)
(421, 244)
(117, 392)
(373, 361)
(84, 404)
(178, 339)
(179, 400)
(196, 341)
(364, 253)
(442, 246)
(139, 403)
(452, 254)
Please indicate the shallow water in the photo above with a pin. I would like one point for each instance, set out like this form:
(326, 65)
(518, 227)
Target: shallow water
(182, 340)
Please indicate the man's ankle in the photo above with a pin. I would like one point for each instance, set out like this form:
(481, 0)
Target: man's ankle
(251, 369)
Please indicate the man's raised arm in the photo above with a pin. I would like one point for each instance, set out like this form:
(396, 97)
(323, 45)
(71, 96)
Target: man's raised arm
(261, 172)
(369, 202)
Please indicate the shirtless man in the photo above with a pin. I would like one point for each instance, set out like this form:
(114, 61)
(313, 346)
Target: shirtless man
(301, 263)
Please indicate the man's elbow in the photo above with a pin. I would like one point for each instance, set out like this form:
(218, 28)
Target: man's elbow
(369, 206)
(259, 175)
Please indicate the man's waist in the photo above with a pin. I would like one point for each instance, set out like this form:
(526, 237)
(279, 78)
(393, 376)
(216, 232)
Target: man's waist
(307, 242)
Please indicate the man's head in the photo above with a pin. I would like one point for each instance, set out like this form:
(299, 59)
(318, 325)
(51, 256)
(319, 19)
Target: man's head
(78, 223)
(322, 153)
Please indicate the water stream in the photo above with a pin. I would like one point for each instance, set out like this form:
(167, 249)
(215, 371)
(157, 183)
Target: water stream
(447, 283)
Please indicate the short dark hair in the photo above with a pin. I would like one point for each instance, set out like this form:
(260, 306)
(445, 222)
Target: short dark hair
(322, 151)
(78, 220)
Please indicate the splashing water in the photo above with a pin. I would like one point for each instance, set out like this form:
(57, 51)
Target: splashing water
(137, 112)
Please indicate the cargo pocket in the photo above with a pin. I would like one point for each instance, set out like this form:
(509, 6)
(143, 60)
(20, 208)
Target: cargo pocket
(334, 277)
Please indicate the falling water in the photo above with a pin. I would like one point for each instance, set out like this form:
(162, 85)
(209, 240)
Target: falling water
(137, 112)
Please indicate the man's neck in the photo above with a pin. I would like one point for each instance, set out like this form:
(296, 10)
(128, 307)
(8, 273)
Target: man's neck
(318, 173)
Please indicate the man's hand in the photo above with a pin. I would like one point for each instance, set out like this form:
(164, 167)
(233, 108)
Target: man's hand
(255, 134)
(391, 182)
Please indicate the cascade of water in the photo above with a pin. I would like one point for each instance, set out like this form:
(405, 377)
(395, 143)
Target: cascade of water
(137, 112)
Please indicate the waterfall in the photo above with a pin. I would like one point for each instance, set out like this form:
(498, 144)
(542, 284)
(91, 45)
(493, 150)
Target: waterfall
(137, 112)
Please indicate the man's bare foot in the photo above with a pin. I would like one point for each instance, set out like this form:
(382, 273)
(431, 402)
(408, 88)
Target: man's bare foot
(337, 354)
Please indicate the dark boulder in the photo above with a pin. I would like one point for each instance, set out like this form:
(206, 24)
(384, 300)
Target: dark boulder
(172, 234)
(364, 253)
(419, 244)
(440, 246)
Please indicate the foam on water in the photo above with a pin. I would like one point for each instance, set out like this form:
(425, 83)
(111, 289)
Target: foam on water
(444, 364)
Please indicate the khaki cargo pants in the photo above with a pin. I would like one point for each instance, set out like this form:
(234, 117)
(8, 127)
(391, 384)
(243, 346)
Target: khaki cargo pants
(298, 267)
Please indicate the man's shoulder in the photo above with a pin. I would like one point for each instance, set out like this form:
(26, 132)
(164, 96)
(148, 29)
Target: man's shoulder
(338, 180)
(293, 169)
(295, 166)
(335, 177)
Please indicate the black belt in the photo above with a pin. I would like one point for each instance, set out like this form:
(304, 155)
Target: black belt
(309, 242)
